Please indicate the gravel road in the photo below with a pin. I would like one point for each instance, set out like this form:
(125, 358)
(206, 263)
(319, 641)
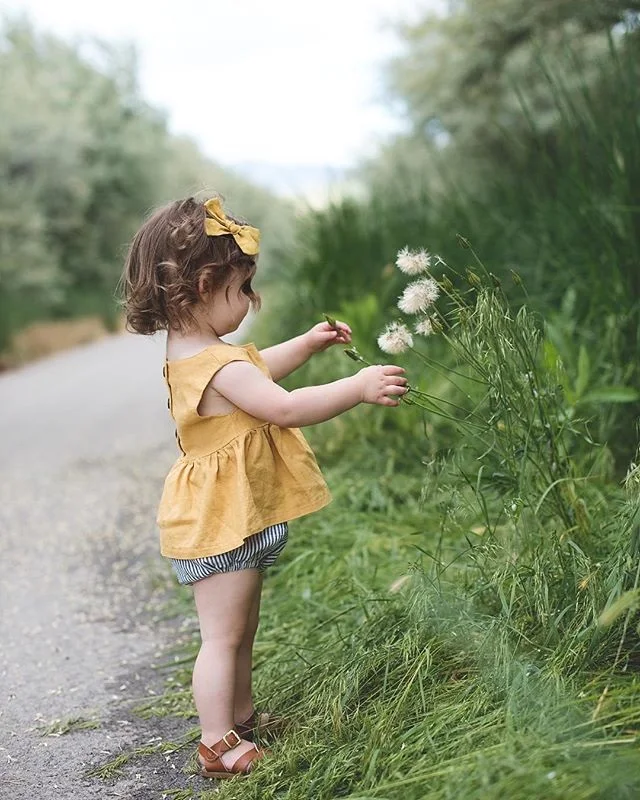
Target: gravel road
(85, 442)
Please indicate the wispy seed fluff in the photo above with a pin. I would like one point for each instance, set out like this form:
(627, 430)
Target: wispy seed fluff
(424, 327)
(413, 262)
(395, 338)
(418, 296)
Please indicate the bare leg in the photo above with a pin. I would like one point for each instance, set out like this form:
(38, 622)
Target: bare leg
(224, 603)
(243, 707)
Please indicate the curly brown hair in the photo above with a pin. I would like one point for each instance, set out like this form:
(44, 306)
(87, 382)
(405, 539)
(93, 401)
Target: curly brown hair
(167, 258)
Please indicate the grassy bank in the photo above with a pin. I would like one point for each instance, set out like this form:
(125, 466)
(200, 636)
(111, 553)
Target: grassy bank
(461, 621)
(399, 684)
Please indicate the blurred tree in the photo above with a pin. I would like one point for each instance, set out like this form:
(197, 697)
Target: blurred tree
(82, 158)
(524, 136)
(76, 162)
(462, 77)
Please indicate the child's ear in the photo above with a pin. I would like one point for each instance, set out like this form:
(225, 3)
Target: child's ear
(203, 286)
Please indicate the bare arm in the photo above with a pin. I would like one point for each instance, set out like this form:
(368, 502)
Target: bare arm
(282, 359)
(249, 389)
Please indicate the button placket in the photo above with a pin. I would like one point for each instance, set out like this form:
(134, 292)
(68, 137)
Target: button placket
(170, 407)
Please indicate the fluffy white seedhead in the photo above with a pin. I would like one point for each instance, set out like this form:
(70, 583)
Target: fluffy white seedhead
(413, 262)
(418, 296)
(424, 327)
(396, 338)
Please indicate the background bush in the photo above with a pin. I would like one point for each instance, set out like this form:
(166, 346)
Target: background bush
(83, 157)
(548, 189)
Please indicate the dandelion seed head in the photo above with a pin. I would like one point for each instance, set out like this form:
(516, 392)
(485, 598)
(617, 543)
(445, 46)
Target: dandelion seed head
(413, 262)
(418, 296)
(395, 338)
(424, 327)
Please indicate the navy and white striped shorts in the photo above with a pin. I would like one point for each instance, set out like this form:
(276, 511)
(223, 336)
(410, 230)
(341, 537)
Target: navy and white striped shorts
(258, 551)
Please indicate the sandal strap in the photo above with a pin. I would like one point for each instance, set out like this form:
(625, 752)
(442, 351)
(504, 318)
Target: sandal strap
(247, 758)
(230, 740)
(249, 725)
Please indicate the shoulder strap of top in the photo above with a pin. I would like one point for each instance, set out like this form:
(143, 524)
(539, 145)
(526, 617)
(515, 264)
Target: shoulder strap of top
(187, 379)
(213, 360)
(257, 359)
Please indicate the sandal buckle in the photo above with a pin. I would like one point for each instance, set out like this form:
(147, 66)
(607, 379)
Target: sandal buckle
(236, 743)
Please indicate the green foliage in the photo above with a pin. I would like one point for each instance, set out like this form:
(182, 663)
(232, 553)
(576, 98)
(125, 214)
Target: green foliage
(60, 727)
(587, 375)
(460, 622)
(558, 222)
(83, 158)
(462, 75)
(76, 154)
(378, 646)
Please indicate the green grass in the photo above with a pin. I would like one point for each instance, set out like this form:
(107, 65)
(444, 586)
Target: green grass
(114, 767)
(438, 631)
(411, 691)
(462, 621)
(60, 727)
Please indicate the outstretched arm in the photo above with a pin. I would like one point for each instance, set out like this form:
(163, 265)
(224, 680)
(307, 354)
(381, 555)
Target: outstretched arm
(282, 359)
(248, 388)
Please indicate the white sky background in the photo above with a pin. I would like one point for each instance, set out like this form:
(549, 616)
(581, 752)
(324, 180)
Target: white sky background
(305, 78)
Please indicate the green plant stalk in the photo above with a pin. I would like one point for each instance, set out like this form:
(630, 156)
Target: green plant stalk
(453, 383)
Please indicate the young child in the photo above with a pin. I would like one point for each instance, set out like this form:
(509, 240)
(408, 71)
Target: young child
(245, 469)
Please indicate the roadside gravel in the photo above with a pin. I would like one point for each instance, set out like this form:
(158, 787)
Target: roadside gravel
(85, 442)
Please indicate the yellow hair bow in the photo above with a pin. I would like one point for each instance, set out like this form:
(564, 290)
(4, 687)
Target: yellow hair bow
(217, 224)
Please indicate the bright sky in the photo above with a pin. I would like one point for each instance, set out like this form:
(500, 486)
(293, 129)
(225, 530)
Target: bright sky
(278, 81)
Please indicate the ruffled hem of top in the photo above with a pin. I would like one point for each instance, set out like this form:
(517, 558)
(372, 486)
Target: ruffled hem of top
(213, 502)
(207, 551)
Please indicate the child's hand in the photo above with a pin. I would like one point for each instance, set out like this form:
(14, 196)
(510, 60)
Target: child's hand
(324, 334)
(379, 382)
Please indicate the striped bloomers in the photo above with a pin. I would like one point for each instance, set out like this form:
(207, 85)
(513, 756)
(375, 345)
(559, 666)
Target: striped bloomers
(258, 551)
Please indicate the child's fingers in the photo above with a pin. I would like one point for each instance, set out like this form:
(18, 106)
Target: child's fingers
(336, 325)
(391, 369)
(388, 401)
(395, 389)
(395, 380)
(329, 334)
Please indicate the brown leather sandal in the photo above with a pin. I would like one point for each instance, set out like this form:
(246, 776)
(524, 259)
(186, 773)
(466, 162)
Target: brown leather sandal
(211, 765)
(258, 724)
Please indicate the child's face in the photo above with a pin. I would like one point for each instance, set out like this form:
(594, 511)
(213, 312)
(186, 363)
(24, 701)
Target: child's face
(229, 307)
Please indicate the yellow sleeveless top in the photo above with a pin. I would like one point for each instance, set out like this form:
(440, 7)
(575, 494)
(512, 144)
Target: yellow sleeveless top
(237, 474)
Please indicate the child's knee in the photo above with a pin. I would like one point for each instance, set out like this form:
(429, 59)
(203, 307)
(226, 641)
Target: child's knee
(227, 641)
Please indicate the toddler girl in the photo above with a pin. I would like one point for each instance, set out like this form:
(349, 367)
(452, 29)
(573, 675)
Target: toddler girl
(244, 468)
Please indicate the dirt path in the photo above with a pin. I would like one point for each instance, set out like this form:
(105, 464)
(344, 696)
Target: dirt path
(85, 441)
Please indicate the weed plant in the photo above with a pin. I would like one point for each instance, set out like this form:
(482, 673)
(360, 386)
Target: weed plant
(462, 621)
(565, 216)
(439, 633)
(400, 684)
